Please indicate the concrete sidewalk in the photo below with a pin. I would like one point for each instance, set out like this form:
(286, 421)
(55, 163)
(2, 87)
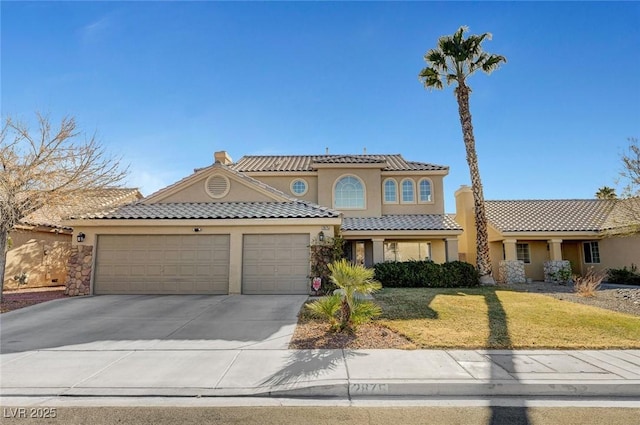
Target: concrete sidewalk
(321, 373)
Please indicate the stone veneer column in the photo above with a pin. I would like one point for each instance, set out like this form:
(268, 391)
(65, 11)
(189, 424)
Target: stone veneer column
(79, 271)
(511, 271)
(551, 269)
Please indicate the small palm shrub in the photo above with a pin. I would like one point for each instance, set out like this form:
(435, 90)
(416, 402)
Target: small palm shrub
(587, 285)
(345, 310)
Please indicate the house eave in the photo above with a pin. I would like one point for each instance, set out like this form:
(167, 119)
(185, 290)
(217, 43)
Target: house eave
(405, 234)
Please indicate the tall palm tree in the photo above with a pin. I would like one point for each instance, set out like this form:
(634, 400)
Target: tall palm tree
(606, 192)
(455, 59)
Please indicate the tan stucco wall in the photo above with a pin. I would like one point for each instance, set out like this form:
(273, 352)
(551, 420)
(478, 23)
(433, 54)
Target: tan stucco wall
(539, 254)
(571, 251)
(236, 229)
(42, 255)
(465, 218)
(283, 183)
(617, 252)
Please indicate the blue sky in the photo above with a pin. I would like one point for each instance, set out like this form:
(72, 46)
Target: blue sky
(165, 84)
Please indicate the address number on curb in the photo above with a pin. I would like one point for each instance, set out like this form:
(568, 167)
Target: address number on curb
(369, 388)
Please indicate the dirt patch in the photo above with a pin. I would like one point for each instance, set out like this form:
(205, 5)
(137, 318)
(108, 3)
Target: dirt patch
(310, 334)
(13, 300)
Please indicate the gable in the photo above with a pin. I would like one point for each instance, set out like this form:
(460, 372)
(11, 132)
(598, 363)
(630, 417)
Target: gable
(216, 183)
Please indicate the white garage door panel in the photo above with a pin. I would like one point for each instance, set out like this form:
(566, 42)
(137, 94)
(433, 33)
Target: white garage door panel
(162, 264)
(275, 264)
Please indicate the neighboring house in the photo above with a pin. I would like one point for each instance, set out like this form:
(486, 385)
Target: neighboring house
(581, 231)
(41, 244)
(246, 227)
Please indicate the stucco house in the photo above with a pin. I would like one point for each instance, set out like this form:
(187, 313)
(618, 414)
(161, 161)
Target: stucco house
(532, 234)
(247, 226)
(41, 244)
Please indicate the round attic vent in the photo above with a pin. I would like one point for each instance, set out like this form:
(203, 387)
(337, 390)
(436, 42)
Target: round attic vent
(217, 186)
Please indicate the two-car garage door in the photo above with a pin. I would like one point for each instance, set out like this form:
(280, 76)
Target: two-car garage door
(162, 264)
(199, 264)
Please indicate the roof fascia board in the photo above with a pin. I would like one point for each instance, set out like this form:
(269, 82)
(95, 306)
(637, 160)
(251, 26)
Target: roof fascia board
(389, 173)
(578, 235)
(379, 165)
(405, 234)
(105, 222)
(255, 174)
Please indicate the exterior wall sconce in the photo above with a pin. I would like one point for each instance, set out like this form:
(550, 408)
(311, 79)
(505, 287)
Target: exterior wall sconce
(80, 237)
(197, 229)
(321, 236)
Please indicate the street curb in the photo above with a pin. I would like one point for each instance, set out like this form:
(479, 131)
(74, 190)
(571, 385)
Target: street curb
(363, 389)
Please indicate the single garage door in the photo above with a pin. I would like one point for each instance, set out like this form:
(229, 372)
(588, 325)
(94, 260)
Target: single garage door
(275, 264)
(162, 264)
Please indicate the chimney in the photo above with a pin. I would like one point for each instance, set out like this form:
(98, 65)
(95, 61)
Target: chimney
(326, 151)
(222, 157)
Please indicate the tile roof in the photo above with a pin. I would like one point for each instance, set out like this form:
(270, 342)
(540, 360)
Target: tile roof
(400, 222)
(83, 203)
(300, 163)
(216, 210)
(560, 215)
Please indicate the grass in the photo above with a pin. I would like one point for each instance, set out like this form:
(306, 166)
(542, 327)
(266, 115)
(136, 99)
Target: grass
(502, 319)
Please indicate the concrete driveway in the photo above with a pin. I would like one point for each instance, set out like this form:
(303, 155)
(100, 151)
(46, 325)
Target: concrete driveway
(153, 322)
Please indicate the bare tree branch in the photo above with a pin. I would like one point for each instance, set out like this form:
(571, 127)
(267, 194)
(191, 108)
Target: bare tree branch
(47, 168)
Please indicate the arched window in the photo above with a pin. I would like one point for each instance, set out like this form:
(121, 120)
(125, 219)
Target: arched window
(425, 190)
(408, 193)
(390, 191)
(349, 193)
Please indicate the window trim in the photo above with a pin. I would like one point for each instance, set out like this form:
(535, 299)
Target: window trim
(591, 244)
(384, 191)
(306, 187)
(413, 188)
(527, 256)
(364, 193)
(419, 191)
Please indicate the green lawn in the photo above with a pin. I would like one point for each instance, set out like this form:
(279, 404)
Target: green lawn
(500, 318)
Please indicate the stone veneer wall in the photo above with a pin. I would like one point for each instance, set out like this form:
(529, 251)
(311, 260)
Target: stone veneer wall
(79, 274)
(553, 267)
(511, 271)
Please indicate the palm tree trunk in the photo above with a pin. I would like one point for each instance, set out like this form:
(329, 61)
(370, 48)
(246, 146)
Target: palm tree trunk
(482, 239)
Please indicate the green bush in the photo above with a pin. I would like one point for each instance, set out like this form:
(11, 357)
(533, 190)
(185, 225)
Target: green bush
(416, 274)
(624, 275)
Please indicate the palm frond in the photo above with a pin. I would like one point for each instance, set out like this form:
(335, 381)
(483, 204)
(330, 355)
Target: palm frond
(493, 63)
(363, 311)
(460, 56)
(430, 78)
(326, 307)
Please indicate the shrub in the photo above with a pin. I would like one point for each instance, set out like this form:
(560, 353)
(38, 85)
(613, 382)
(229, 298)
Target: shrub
(412, 274)
(625, 276)
(587, 285)
(344, 310)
